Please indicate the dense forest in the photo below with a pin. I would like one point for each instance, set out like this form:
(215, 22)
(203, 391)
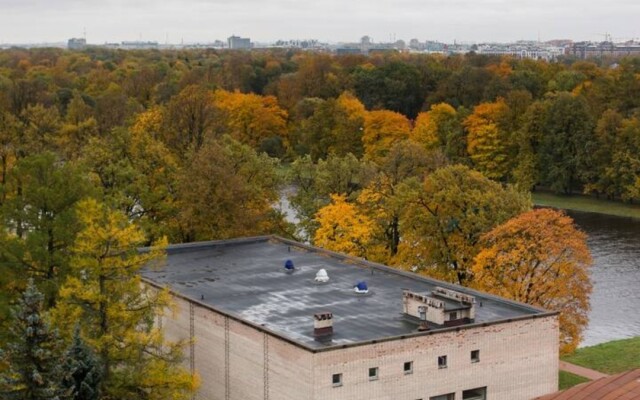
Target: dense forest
(423, 162)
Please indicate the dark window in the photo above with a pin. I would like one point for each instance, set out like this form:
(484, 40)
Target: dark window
(475, 356)
(449, 396)
(408, 367)
(442, 362)
(453, 316)
(336, 379)
(475, 394)
(373, 373)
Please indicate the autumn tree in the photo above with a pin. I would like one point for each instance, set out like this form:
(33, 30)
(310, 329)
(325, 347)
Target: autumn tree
(315, 182)
(445, 215)
(381, 130)
(227, 190)
(379, 198)
(136, 173)
(190, 119)
(116, 313)
(432, 128)
(343, 229)
(347, 134)
(487, 140)
(32, 352)
(250, 118)
(539, 258)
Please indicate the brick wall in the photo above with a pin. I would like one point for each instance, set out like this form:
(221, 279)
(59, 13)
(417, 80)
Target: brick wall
(518, 361)
(288, 373)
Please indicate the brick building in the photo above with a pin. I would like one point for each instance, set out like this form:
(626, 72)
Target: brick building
(276, 319)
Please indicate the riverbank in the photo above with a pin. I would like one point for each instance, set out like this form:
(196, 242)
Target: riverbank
(610, 358)
(587, 204)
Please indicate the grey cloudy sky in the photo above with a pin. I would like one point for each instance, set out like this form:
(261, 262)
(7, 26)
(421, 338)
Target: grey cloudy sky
(28, 21)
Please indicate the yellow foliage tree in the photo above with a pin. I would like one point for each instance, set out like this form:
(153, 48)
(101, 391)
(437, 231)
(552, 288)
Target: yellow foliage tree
(433, 127)
(116, 313)
(487, 142)
(343, 228)
(349, 124)
(251, 118)
(382, 129)
(539, 258)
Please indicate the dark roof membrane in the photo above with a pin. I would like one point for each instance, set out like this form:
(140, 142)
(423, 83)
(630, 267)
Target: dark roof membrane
(245, 279)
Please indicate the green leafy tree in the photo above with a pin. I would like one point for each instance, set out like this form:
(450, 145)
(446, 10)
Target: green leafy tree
(445, 216)
(32, 353)
(41, 214)
(567, 143)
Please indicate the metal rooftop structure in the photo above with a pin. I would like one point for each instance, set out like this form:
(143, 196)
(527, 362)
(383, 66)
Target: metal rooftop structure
(246, 279)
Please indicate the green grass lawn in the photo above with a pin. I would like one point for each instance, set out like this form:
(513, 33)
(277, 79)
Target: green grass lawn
(611, 357)
(567, 380)
(585, 203)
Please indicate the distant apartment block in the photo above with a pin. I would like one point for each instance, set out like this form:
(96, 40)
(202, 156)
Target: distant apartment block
(138, 45)
(522, 50)
(584, 50)
(77, 44)
(239, 43)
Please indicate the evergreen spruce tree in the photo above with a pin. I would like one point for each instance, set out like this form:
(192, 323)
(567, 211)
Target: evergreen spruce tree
(32, 355)
(81, 371)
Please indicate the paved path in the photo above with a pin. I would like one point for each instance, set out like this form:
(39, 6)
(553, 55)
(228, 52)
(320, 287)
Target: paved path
(582, 371)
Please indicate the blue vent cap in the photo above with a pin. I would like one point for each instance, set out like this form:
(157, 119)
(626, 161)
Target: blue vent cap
(362, 285)
(288, 265)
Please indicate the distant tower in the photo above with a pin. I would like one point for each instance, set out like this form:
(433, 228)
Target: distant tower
(76, 44)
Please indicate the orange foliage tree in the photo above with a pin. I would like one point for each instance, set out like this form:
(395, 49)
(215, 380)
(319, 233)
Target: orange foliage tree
(251, 118)
(381, 130)
(539, 258)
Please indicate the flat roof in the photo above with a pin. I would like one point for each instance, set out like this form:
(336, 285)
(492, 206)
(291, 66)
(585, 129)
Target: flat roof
(245, 279)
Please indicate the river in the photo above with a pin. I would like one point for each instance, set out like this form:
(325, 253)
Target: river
(615, 302)
(615, 247)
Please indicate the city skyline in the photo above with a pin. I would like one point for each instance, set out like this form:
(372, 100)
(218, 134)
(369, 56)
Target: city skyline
(37, 21)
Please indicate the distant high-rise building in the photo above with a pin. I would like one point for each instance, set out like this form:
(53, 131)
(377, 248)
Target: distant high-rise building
(238, 43)
(76, 43)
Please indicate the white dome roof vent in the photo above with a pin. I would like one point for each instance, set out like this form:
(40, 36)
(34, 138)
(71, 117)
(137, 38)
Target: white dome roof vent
(322, 276)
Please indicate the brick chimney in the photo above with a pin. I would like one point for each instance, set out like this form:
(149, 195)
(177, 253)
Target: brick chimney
(322, 324)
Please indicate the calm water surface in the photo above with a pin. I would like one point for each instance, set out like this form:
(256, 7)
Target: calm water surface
(615, 301)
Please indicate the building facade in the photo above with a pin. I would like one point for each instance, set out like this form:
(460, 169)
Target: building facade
(239, 43)
(260, 332)
(76, 44)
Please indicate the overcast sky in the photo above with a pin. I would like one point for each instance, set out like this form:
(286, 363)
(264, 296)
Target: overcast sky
(29, 21)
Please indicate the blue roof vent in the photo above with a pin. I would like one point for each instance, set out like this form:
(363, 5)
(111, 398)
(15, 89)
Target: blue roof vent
(361, 287)
(288, 265)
